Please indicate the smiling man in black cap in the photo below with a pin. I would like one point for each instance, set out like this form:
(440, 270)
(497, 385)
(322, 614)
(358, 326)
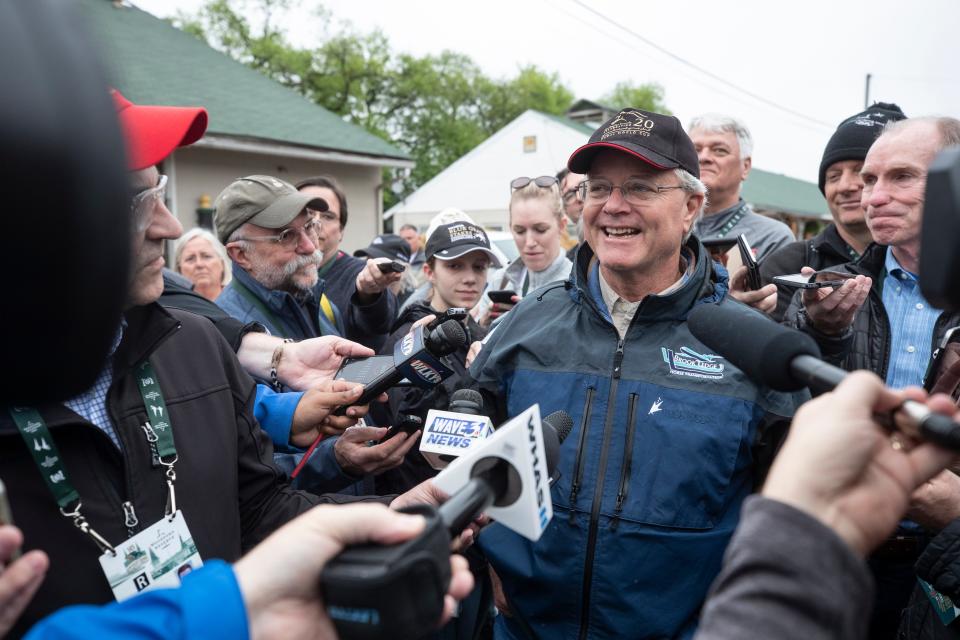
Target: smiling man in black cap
(665, 441)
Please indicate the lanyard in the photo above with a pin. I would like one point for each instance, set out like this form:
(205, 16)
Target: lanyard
(36, 435)
(732, 222)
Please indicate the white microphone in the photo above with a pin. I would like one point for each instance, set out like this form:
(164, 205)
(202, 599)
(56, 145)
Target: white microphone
(509, 468)
(450, 434)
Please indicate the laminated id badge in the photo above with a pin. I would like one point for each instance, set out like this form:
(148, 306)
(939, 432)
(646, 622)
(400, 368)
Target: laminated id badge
(157, 557)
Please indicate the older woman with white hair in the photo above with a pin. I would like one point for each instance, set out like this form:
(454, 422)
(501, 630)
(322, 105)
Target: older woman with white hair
(202, 259)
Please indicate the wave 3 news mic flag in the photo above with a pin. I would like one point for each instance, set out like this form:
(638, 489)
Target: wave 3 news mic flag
(519, 443)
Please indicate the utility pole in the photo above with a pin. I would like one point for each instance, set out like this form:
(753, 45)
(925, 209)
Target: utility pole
(866, 95)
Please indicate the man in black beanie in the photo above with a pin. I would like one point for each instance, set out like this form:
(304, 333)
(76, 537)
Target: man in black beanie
(839, 179)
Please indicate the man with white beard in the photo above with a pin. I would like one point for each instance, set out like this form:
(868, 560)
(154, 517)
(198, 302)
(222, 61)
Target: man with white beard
(271, 232)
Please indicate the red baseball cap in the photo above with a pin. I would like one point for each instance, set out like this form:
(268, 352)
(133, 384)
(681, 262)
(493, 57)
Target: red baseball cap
(153, 132)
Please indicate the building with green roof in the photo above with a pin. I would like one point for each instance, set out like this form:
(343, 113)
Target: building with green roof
(256, 125)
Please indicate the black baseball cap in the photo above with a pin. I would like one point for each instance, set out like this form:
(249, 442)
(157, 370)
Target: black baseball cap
(657, 139)
(388, 245)
(450, 241)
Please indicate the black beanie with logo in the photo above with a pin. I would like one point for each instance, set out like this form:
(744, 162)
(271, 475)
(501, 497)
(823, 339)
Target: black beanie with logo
(853, 136)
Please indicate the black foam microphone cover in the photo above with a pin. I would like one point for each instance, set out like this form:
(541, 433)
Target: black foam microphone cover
(466, 401)
(752, 342)
(64, 250)
(446, 338)
(556, 428)
(940, 232)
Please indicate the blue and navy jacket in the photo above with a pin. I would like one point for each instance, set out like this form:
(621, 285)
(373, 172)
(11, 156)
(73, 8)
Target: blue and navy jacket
(249, 301)
(652, 477)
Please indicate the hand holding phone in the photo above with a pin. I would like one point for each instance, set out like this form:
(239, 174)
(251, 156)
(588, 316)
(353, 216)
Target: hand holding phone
(754, 281)
(391, 267)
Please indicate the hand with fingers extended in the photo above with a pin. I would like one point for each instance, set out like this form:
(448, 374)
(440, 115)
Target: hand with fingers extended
(841, 467)
(831, 310)
(314, 413)
(763, 299)
(357, 457)
(309, 363)
(19, 579)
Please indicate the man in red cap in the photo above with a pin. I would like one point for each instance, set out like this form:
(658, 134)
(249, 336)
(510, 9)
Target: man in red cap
(161, 463)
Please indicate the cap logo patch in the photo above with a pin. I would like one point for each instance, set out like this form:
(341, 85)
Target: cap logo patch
(628, 123)
(460, 232)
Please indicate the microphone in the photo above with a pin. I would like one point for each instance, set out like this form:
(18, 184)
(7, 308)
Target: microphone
(371, 591)
(450, 434)
(417, 358)
(788, 360)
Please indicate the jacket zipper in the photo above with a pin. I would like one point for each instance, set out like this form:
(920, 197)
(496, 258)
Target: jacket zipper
(578, 463)
(627, 459)
(598, 494)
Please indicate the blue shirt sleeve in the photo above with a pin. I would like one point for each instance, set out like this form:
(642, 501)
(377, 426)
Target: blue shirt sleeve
(274, 411)
(321, 474)
(207, 605)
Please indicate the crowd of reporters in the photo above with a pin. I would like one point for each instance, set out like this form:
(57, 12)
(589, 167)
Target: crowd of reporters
(655, 532)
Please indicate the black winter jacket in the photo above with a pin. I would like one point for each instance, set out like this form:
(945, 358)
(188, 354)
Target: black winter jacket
(417, 401)
(823, 251)
(939, 565)
(230, 493)
(867, 344)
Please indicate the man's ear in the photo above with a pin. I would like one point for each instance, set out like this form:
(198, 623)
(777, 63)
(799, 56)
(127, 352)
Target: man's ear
(238, 255)
(747, 163)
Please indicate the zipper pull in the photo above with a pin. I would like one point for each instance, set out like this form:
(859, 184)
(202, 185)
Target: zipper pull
(130, 516)
(151, 434)
(618, 359)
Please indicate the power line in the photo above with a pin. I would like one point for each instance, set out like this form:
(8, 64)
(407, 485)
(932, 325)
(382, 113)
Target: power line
(705, 72)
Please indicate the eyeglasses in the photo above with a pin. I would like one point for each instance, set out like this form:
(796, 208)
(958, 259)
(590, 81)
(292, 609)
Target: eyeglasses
(324, 217)
(597, 191)
(571, 194)
(289, 238)
(542, 181)
(143, 204)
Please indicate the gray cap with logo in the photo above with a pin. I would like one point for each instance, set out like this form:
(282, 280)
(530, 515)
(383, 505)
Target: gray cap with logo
(261, 200)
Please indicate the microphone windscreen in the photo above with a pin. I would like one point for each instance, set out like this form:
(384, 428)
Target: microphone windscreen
(561, 422)
(752, 342)
(446, 338)
(467, 395)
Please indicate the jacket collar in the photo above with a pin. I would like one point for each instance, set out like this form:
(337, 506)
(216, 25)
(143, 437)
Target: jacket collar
(275, 299)
(148, 326)
(829, 242)
(707, 284)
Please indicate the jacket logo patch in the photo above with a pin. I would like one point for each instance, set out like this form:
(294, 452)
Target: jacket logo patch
(687, 362)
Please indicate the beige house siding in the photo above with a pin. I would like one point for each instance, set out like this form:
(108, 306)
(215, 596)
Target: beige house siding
(197, 171)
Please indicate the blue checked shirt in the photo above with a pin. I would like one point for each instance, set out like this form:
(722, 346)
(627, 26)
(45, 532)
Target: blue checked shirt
(92, 405)
(912, 321)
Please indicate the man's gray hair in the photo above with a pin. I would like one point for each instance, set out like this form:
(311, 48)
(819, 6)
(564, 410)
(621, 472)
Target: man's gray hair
(237, 236)
(717, 122)
(948, 127)
(692, 184)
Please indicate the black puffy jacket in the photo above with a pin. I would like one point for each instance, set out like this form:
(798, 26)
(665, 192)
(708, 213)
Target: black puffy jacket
(939, 565)
(867, 344)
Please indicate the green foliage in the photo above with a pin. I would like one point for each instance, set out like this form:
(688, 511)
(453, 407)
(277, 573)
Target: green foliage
(647, 97)
(435, 107)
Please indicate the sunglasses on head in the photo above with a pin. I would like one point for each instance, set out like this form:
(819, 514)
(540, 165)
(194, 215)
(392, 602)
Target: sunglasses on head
(541, 181)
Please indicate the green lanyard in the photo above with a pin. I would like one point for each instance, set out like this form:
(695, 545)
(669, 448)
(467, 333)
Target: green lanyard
(732, 222)
(36, 435)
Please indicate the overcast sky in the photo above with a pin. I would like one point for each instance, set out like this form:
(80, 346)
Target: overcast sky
(805, 64)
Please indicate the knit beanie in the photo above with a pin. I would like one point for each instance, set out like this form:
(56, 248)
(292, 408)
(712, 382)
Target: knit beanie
(853, 136)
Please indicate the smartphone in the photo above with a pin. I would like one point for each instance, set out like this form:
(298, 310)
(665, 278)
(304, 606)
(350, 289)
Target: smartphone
(407, 423)
(503, 296)
(391, 267)
(754, 281)
(363, 370)
(817, 280)
(6, 516)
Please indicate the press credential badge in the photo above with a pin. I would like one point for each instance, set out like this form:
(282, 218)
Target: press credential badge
(157, 557)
